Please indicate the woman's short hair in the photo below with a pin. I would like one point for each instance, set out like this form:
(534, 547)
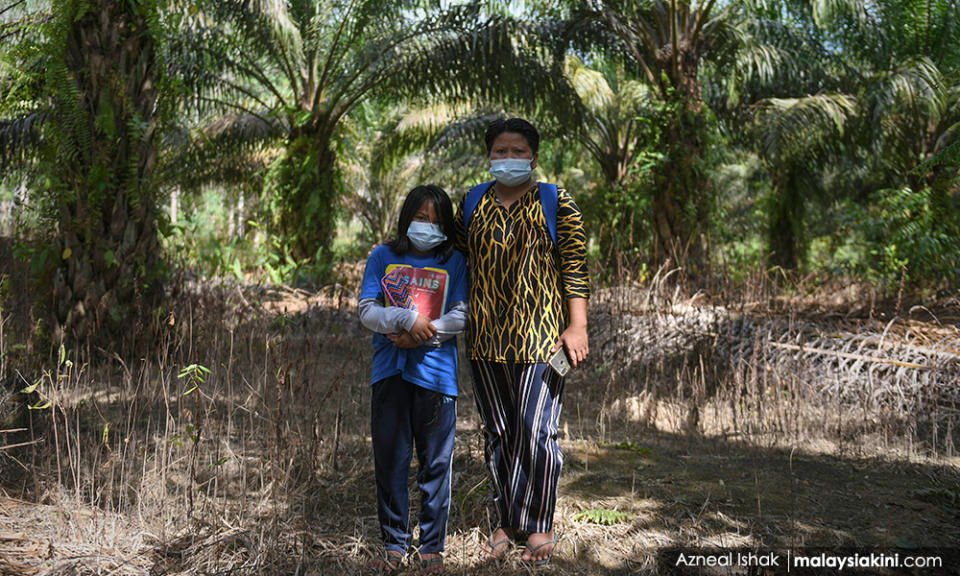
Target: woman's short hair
(516, 125)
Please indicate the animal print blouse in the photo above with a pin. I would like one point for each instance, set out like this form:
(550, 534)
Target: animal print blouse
(519, 280)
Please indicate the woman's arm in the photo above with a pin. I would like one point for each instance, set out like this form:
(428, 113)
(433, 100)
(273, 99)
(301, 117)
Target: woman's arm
(572, 242)
(574, 338)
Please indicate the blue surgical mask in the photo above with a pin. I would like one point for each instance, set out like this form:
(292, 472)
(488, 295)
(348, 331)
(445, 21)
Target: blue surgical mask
(511, 171)
(425, 236)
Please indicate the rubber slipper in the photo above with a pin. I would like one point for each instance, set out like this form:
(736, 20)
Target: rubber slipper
(533, 551)
(387, 563)
(492, 554)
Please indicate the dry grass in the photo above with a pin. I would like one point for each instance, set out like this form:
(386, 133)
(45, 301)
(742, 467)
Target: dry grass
(700, 423)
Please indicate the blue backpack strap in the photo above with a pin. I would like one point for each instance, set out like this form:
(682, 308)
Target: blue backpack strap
(470, 204)
(549, 203)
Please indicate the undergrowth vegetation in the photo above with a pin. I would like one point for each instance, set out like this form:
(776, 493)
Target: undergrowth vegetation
(239, 443)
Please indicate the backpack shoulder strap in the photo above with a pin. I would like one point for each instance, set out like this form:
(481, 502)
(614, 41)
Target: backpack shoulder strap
(473, 199)
(549, 202)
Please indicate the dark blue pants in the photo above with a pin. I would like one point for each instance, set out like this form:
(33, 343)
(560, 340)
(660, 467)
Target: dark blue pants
(520, 407)
(401, 415)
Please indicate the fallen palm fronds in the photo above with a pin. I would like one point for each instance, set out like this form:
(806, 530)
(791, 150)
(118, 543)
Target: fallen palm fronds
(807, 349)
(897, 376)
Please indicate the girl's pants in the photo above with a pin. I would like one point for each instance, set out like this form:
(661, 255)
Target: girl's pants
(401, 415)
(520, 407)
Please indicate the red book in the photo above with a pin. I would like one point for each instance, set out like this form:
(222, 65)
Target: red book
(420, 289)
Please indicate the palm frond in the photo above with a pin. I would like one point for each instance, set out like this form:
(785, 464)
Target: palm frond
(795, 128)
(233, 149)
(590, 85)
(495, 60)
(438, 130)
(916, 85)
(244, 128)
(829, 11)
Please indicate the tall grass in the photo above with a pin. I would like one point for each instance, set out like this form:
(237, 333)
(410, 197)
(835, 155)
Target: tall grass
(239, 443)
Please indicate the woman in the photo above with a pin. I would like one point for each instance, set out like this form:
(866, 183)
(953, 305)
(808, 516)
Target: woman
(526, 251)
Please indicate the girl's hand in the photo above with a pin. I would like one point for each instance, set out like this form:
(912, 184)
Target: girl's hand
(404, 340)
(422, 330)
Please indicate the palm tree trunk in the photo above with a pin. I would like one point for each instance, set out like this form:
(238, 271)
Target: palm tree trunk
(108, 250)
(786, 221)
(303, 183)
(683, 196)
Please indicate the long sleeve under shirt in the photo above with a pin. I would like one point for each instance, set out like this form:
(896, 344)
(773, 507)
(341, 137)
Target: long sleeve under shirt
(439, 289)
(520, 281)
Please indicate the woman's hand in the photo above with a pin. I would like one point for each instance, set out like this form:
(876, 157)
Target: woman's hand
(574, 339)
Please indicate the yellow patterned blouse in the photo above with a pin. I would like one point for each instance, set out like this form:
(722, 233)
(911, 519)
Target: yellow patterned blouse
(519, 281)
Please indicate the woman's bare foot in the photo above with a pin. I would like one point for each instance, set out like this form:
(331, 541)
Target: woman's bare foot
(539, 548)
(498, 543)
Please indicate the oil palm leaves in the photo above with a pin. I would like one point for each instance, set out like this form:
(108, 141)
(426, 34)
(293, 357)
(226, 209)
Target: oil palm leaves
(301, 67)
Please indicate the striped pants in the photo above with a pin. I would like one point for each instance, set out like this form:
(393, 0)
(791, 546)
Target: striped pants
(519, 406)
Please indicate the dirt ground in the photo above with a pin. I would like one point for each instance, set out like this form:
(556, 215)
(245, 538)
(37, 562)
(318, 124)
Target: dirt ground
(630, 488)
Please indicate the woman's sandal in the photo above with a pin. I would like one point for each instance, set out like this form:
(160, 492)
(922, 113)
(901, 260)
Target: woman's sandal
(492, 553)
(387, 563)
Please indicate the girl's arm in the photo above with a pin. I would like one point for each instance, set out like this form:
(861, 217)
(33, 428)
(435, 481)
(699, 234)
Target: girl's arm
(450, 324)
(385, 319)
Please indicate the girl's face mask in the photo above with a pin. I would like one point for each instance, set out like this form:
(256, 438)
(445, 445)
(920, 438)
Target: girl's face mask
(425, 236)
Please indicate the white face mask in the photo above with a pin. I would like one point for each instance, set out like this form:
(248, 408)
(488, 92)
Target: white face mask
(425, 236)
(511, 171)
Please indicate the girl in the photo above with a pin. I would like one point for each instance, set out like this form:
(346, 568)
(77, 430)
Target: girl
(413, 298)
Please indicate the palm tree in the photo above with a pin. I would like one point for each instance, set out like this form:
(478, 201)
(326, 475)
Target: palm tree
(881, 112)
(296, 70)
(85, 112)
(667, 41)
(796, 135)
(613, 126)
(614, 118)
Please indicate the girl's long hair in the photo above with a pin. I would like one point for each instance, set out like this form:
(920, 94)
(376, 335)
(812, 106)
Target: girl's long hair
(444, 207)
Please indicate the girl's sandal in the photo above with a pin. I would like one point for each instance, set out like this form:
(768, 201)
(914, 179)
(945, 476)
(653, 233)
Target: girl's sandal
(431, 566)
(388, 563)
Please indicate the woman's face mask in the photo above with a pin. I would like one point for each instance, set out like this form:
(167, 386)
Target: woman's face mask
(511, 171)
(425, 236)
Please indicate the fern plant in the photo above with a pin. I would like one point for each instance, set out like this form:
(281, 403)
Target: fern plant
(916, 233)
(603, 516)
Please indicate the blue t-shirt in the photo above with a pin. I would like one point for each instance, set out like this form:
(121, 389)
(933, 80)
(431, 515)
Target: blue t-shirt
(432, 287)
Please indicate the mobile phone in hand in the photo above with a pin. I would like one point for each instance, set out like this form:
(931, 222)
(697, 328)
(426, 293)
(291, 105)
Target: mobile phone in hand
(560, 362)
